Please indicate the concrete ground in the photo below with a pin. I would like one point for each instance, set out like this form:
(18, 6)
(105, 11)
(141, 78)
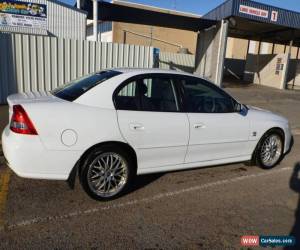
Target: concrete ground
(208, 208)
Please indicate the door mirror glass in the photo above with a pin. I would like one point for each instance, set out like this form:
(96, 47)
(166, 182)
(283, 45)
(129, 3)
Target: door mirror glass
(238, 107)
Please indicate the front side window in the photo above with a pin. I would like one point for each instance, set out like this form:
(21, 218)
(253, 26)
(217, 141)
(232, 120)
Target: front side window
(202, 97)
(78, 87)
(148, 94)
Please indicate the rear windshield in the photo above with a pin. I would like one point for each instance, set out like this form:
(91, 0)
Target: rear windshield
(74, 89)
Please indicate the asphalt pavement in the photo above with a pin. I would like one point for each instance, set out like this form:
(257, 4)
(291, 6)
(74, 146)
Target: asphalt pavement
(208, 208)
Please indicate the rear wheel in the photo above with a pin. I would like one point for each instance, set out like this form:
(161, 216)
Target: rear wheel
(270, 150)
(107, 173)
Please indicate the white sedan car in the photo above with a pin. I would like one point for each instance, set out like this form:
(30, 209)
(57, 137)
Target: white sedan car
(110, 126)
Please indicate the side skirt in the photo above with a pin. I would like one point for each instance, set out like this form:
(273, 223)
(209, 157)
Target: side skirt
(183, 166)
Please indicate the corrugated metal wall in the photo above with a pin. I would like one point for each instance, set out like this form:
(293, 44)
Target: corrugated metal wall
(102, 27)
(62, 21)
(222, 11)
(180, 62)
(30, 63)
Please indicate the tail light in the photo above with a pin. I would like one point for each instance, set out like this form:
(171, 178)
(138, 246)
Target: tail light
(20, 122)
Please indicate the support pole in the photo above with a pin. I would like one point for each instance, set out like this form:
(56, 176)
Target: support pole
(78, 4)
(294, 80)
(286, 71)
(221, 52)
(124, 36)
(248, 46)
(290, 47)
(257, 62)
(95, 19)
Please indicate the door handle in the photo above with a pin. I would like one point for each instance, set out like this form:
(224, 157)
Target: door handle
(199, 125)
(136, 126)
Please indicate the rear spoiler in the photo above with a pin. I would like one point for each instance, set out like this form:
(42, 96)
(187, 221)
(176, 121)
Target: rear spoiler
(27, 97)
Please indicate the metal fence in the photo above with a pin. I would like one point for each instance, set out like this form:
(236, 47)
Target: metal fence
(179, 62)
(33, 63)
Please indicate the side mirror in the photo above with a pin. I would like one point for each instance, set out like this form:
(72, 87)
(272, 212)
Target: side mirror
(238, 107)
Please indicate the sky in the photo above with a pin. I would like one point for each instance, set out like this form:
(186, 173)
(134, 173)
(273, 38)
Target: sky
(201, 7)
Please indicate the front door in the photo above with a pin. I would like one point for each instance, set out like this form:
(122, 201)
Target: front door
(216, 131)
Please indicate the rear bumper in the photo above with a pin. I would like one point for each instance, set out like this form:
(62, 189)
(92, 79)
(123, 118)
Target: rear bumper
(28, 158)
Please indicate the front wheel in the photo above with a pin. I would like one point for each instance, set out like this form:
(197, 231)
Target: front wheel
(270, 150)
(106, 173)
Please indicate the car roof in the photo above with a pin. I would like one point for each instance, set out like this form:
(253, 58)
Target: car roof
(138, 71)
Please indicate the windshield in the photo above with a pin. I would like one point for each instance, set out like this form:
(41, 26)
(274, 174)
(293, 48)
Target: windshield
(74, 89)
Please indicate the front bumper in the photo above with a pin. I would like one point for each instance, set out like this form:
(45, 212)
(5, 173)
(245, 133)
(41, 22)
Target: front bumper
(289, 140)
(28, 158)
(289, 149)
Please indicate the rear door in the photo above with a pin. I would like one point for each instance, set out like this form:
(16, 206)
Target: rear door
(216, 130)
(151, 120)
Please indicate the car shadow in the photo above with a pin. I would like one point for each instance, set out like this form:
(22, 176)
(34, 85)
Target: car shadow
(144, 180)
(295, 186)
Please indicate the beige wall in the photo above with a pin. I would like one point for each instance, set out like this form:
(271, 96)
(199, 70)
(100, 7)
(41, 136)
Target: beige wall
(186, 39)
(267, 48)
(236, 48)
(261, 69)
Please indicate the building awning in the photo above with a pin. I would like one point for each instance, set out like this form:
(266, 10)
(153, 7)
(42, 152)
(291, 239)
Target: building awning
(256, 21)
(120, 13)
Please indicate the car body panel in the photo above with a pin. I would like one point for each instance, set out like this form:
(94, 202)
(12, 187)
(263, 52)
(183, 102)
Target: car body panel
(92, 125)
(159, 138)
(263, 120)
(217, 136)
(28, 158)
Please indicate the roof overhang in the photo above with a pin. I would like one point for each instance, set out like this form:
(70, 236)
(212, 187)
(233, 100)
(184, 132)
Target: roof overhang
(120, 13)
(256, 21)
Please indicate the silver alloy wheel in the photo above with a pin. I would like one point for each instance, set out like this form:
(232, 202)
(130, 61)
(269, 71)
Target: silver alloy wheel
(107, 174)
(271, 150)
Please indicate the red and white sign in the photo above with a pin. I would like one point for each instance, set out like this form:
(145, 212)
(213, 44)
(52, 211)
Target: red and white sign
(274, 16)
(254, 11)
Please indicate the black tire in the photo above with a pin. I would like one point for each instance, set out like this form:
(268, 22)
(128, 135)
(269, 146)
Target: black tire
(93, 156)
(258, 159)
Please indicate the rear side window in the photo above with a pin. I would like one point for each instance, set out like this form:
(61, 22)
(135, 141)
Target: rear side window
(74, 89)
(148, 94)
